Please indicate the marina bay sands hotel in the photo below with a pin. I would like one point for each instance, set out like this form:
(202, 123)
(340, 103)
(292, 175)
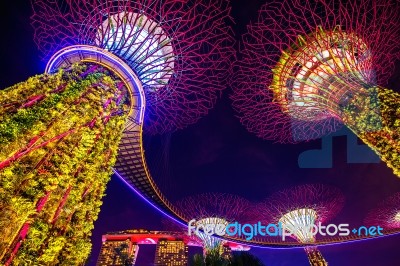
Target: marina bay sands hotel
(122, 248)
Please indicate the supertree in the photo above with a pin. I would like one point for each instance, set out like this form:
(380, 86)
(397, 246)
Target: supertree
(299, 209)
(386, 214)
(177, 49)
(61, 132)
(211, 209)
(310, 66)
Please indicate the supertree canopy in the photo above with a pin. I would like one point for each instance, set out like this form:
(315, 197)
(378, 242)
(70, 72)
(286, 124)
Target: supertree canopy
(386, 214)
(300, 208)
(310, 66)
(211, 209)
(178, 49)
(62, 132)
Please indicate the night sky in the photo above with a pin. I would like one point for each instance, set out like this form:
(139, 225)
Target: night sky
(218, 155)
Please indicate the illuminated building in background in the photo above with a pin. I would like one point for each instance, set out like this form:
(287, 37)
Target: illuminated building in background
(118, 253)
(224, 248)
(171, 253)
(123, 247)
(299, 208)
(311, 66)
(112, 66)
(225, 251)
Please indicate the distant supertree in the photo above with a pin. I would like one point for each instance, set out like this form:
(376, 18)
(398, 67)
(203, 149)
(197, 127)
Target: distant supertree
(310, 66)
(386, 214)
(213, 208)
(62, 132)
(298, 209)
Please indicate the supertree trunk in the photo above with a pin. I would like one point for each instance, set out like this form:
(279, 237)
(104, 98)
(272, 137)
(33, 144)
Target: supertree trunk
(315, 257)
(374, 117)
(59, 136)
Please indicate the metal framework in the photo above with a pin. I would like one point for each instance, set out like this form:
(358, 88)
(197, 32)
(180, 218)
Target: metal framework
(180, 50)
(300, 221)
(299, 209)
(303, 61)
(386, 214)
(213, 208)
(325, 201)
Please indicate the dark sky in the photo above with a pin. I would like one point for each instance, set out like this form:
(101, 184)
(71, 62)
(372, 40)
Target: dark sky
(218, 155)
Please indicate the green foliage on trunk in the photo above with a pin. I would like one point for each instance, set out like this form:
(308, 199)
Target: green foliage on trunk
(59, 137)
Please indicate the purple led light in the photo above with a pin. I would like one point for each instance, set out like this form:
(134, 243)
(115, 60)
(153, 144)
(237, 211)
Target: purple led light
(147, 201)
(60, 55)
(247, 244)
(118, 66)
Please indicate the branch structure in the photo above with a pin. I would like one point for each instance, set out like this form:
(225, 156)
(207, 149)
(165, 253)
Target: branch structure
(180, 50)
(386, 214)
(302, 61)
(213, 208)
(300, 208)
